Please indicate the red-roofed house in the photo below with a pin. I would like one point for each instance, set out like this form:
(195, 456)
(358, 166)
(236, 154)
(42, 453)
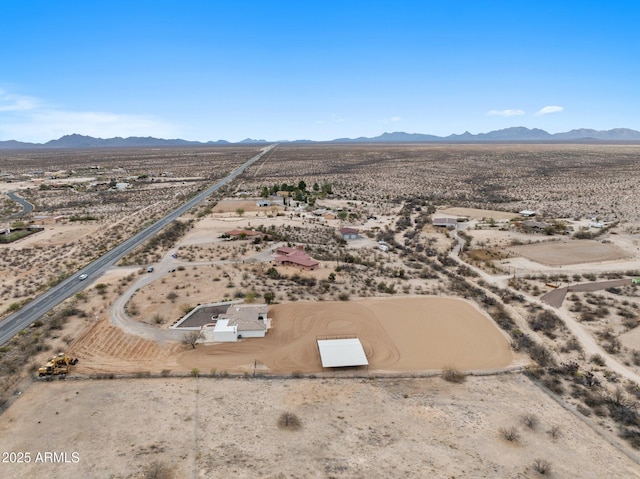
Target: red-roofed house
(242, 233)
(295, 257)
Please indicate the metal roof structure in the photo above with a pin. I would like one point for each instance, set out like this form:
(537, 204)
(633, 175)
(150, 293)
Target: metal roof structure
(338, 353)
(444, 221)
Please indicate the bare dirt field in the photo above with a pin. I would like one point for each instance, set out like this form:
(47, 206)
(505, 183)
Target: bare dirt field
(556, 253)
(409, 334)
(478, 214)
(231, 206)
(398, 335)
(412, 428)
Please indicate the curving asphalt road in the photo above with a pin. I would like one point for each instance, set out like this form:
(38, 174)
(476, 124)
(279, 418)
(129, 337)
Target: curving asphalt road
(26, 206)
(34, 310)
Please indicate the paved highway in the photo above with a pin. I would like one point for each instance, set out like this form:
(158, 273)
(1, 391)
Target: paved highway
(34, 310)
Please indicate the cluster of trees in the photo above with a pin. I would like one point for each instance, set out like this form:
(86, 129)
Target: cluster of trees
(298, 191)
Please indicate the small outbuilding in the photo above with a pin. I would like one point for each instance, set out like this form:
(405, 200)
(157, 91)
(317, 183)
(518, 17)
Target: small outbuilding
(446, 222)
(348, 233)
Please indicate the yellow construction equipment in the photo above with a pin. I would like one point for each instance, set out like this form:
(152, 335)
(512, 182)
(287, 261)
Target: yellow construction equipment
(57, 365)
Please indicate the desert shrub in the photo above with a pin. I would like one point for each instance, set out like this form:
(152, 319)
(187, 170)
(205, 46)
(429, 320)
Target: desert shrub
(541, 355)
(289, 421)
(171, 296)
(555, 431)
(635, 357)
(453, 375)
(613, 346)
(542, 466)
(631, 435)
(597, 359)
(510, 434)
(158, 470)
(554, 384)
(547, 322)
(530, 420)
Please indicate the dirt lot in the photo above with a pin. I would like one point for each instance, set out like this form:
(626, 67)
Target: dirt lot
(351, 428)
(400, 335)
(478, 214)
(560, 253)
(409, 334)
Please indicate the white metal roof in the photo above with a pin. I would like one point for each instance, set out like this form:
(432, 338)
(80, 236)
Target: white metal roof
(337, 353)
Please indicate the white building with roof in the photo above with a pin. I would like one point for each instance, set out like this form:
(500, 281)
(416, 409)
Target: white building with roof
(240, 321)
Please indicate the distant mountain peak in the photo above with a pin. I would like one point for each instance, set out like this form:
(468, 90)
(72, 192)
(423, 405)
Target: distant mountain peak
(511, 134)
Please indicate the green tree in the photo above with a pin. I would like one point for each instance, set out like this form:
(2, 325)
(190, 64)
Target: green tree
(265, 192)
(240, 211)
(316, 187)
(269, 297)
(302, 186)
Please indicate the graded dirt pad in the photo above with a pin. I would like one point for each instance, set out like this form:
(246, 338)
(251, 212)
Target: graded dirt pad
(350, 428)
(231, 206)
(478, 214)
(557, 253)
(408, 334)
(55, 235)
(105, 348)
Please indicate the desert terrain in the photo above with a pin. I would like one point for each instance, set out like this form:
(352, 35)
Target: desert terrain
(467, 303)
(348, 428)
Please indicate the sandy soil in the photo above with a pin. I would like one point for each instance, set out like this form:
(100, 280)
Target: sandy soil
(56, 235)
(230, 206)
(631, 339)
(478, 214)
(557, 253)
(398, 335)
(412, 428)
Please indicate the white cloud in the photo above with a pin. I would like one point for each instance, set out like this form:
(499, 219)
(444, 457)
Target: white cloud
(392, 119)
(549, 109)
(12, 102)
(505, 113)
(29, 119)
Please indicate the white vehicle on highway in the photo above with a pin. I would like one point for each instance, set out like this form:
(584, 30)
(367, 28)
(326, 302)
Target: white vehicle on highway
(82, 277)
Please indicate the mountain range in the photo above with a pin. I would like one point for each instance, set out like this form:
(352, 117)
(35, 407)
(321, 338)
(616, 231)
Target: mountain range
(514, 134)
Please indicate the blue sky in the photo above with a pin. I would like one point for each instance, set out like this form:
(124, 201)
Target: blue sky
(206, 70)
